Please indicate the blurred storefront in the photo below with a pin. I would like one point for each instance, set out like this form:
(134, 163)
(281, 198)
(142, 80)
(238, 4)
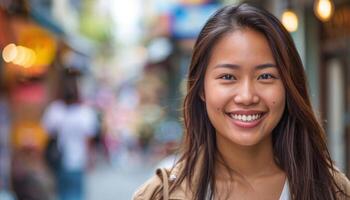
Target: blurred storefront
(335, 79)
(35, 50)
(27, 52)
(171, 30)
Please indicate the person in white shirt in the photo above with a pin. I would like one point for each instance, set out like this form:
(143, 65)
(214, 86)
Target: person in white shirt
(74, 124)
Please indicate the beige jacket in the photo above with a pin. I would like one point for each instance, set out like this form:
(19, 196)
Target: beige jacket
(160, 183)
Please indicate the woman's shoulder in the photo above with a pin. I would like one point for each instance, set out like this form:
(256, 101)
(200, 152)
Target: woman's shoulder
(342, 181)
(149, 189)
(159, 184)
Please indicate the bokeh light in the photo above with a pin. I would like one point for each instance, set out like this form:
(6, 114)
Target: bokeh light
(290, 20)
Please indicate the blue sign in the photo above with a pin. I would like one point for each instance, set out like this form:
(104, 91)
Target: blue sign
(188, 20)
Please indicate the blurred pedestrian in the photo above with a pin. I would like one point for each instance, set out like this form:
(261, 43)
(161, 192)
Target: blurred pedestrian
(74, 125)
(250, 131)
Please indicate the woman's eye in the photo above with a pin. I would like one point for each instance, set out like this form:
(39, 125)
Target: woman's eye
(228, 77)
(266, 76)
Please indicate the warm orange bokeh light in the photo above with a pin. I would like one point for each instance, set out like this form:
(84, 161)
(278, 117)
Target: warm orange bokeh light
(19, 55)
(323, 9)
(9, 53)
(290, 20)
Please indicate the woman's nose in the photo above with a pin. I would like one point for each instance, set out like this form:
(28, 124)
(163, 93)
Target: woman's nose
(246, 94)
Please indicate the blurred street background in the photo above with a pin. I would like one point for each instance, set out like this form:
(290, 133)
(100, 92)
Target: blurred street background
(103, 81)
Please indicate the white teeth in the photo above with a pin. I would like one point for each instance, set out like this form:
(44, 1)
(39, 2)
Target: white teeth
(246, 118)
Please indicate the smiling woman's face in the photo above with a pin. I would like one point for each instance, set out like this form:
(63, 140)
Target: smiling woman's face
(243, 91)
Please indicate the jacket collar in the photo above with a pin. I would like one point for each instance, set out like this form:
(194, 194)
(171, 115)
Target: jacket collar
(184, 189)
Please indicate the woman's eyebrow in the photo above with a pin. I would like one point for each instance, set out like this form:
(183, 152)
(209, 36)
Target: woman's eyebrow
(235, 66)
(264, 66)
(227, 65)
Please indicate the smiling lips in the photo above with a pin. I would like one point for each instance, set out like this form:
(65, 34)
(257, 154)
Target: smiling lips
(246, 119)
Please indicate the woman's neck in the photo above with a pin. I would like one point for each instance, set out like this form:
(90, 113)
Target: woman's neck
(247, 162)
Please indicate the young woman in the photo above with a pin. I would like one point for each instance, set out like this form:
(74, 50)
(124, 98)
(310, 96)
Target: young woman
(250, 131)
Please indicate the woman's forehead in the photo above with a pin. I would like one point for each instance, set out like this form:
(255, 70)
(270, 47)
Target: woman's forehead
(242, 47)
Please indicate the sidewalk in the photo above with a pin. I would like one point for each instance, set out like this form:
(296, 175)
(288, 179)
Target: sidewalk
(109, 183)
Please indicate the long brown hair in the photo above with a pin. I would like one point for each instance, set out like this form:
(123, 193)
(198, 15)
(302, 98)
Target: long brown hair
(298, 140)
